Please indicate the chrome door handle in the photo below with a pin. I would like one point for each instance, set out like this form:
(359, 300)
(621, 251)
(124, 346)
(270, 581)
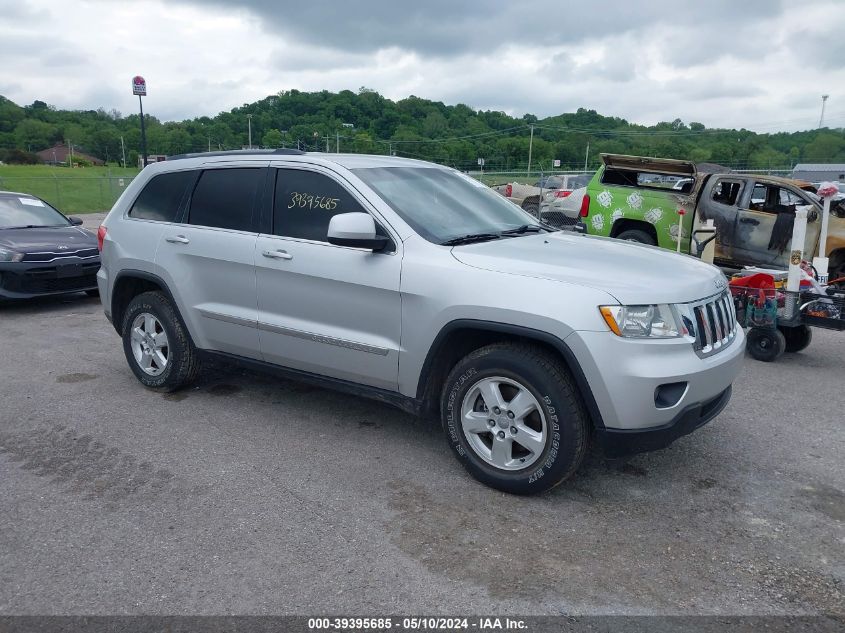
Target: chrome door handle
(177, 239)
(277, 254)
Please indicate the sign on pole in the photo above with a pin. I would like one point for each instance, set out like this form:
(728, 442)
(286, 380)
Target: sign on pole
(481, 162)
(557, 162)
(139, 86)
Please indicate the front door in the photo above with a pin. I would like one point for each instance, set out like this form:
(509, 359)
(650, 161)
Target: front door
(763, 234)
(325, 309)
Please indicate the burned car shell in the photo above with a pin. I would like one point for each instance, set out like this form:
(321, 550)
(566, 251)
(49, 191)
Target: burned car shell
(753, 213)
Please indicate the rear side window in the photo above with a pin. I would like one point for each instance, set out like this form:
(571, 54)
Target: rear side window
(161, 197)
(225, 198)
(726, 192)
(306, 201)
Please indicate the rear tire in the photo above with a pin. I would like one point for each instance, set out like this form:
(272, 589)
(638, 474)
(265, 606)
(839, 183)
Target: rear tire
(797, 338)
(635, 235)
(765, 344)
(156, 344)
(532, 207)
(539, 435)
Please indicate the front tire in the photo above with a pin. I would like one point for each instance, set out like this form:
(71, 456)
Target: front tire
(513, 417)
(157, 346)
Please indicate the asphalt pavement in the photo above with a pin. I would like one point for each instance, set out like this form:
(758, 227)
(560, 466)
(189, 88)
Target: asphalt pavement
(248, 494)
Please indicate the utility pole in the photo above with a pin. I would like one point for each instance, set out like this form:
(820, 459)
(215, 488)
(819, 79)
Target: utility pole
(821, 118)
(70, 156)
(530, 148)
(123, 151)
(587, 157)
(249, 124)
(337, 146)
(327, 137)
(209, 142)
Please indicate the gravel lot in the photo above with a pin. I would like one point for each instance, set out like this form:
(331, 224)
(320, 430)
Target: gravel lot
(249, 494)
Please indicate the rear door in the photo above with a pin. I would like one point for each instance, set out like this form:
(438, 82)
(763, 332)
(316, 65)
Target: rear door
(325, 309)
(209, 259)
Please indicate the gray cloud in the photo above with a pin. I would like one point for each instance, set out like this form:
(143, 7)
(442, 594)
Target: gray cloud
(720, 62)
(450, 27)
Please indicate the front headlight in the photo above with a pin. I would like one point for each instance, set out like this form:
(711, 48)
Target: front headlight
(652, 321)
(10, 256)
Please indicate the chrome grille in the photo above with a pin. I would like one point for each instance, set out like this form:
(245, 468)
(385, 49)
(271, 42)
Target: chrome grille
(49, 256)
(713, 323)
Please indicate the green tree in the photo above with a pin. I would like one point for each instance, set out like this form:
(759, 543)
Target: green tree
(34, 135)
(272, 138)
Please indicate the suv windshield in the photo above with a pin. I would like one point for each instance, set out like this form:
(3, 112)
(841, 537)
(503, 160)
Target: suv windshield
(24, 211)
(442, 205)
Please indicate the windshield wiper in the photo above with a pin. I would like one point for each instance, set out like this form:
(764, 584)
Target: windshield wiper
(26, 226)
(525, 228)
(472, 237)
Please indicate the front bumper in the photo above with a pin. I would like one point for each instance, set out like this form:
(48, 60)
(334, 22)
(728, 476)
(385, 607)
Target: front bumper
(625, 442)
(25, 280)
(627, 377)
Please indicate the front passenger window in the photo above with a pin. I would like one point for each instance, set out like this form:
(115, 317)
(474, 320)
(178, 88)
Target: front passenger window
(306, 201)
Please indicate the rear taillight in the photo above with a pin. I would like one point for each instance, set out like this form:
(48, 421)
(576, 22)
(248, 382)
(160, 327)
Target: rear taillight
(508, 191)
(562, 193)
(585, 206)
(101, 235)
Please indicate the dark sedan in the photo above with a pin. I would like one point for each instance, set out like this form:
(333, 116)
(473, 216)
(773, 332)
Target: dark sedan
(42, 252)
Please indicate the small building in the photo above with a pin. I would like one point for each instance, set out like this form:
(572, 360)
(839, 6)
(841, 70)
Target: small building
(151, 158)
(819, 172)
(60, 153)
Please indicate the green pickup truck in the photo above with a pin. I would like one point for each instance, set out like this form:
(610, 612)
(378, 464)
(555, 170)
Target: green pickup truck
(638, 199)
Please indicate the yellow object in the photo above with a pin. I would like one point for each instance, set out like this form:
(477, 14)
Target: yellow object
(611, 322)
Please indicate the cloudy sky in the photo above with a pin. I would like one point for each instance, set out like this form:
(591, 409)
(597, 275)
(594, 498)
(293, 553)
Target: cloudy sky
(759, 64)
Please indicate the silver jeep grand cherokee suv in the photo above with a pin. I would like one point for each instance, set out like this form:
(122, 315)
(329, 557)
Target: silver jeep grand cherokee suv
(413, 284)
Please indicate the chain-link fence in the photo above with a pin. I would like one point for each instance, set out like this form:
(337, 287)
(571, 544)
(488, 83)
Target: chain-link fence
(87, 194)
(76, 194)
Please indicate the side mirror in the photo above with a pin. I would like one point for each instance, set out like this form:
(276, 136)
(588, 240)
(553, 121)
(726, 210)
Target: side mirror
(75, 220)
(357, 230)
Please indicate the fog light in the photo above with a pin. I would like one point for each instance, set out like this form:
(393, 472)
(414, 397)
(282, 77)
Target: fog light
(670, 394)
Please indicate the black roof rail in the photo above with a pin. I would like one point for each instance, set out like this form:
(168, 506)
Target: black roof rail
(239, 152)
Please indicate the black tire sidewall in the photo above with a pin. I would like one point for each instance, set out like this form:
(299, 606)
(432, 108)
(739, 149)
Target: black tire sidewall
(155, 304)
(565, 423)
(644, 238)
(773, 351)
(797, 338)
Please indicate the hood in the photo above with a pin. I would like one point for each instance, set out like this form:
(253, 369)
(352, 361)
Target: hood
(47, 239)
(631, 273)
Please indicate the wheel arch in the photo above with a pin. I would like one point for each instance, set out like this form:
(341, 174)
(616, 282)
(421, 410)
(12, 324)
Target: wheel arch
(460, 337)
(626, 224)
(535, 199)
(837, 257)
(128, 285)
